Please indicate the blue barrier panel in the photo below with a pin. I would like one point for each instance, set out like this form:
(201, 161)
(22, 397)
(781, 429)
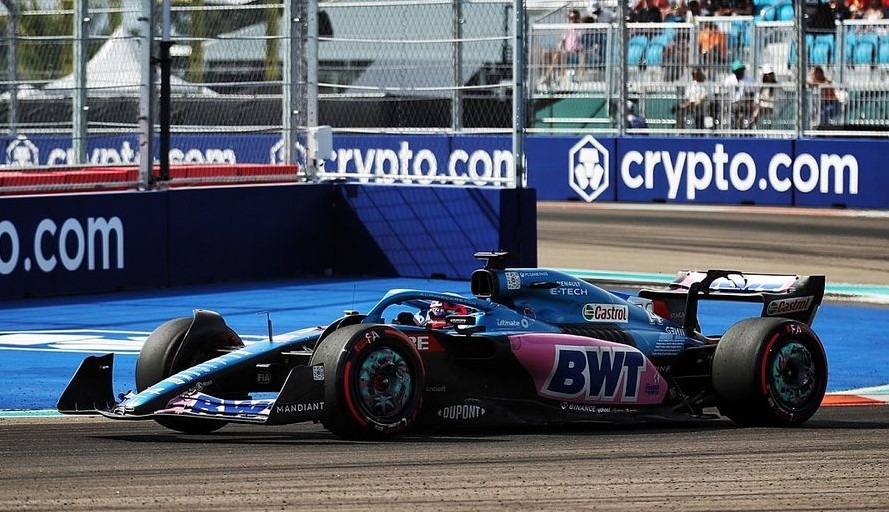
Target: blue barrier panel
(433, 231)
(577, 168)
(81, 243)
(243, 233)
(77, 243)
(701, 170)
(850, 173)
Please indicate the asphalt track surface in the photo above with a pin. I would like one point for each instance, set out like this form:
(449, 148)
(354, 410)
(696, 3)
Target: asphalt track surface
(839, 460)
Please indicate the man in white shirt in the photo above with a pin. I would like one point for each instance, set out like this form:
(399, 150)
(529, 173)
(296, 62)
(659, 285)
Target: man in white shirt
(694, 103)
(740, 92)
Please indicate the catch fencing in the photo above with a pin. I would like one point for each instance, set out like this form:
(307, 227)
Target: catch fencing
(647, 70)
(78, 70)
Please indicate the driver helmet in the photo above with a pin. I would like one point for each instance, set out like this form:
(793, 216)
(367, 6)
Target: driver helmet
(439, 311)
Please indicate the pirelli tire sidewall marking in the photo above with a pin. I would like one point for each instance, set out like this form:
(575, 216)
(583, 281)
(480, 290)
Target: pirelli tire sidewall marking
(347, 385)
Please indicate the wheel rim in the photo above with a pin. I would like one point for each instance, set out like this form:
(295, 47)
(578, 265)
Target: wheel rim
(794, 375)
(385, 383)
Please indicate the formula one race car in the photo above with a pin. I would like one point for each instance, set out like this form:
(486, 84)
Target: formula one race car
(532, 347)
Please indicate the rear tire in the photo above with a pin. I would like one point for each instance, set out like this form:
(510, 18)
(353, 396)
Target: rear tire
(769, 372)
(163, 355)
(374, 381)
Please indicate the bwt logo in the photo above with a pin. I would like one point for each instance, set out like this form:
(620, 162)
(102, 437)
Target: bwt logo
(588, 163)
(609, 374)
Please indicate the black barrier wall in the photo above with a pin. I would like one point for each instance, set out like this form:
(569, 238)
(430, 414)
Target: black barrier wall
(83, 243)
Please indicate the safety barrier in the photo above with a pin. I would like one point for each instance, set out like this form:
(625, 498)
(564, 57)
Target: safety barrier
(98, 242)
(40, 181)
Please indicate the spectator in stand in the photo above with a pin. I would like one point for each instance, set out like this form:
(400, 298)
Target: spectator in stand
(694, 10)
(740, 94)
(646, 11)
(766, 95)
(592, 52)
(874, 11)
(666, 9)
(678, 13)
(857, 8)
(603, 14)
(735, 8)
(676, 56)
(828, 104)
(568, 51)
(839, 11)
(825, 15)
(634, 120)
(693, 107)
(712, 41)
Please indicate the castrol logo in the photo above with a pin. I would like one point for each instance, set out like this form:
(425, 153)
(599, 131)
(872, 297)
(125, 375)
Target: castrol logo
(616, 313)
(786, 306)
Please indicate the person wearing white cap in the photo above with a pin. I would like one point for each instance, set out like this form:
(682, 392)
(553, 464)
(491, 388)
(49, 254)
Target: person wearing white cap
(764, 100)
(740, 94)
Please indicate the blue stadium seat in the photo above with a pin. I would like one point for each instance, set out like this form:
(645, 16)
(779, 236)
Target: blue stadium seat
(827, 39)
(864, 53)
(883, 53)
(654, 54)
(638, 39)
(821, 54)
(785, 13)
(868, 37)
(849, 42)
(635, 53)
(663, 39)
(739, 32)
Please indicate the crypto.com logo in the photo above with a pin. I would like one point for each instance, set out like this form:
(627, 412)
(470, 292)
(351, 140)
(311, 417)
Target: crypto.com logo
(588, 168)
(21, 152)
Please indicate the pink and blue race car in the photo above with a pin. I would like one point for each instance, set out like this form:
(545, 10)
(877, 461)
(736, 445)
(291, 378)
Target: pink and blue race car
(529, 347)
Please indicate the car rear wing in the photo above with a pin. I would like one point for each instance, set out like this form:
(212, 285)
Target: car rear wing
(788, 296)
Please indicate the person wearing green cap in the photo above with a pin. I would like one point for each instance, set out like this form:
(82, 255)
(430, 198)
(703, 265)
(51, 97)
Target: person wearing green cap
(740, 94)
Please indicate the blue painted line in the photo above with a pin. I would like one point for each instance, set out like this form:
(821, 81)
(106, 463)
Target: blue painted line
(40, 413)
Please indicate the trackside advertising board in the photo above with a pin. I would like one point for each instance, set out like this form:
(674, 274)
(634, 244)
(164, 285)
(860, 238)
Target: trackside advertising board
(590, 168)
(98, 242)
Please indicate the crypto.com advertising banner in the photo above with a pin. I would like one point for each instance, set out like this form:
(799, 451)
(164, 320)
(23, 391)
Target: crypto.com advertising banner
(709, 170)
(588, 168)
(704, 170)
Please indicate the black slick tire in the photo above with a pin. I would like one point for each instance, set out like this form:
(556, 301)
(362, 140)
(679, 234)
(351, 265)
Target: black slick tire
(769, 372)
(374, 381)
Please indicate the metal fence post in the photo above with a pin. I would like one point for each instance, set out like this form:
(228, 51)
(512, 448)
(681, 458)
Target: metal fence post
(456, 96)
(146, 94)
(290, 92)
(802, 111)
(311, 63)
(79, 107)
(519, 118)
(622, 38)
(12, 62)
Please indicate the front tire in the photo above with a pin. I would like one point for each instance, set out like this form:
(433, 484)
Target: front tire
(164, 354)
(374, 381)
(769, 372)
